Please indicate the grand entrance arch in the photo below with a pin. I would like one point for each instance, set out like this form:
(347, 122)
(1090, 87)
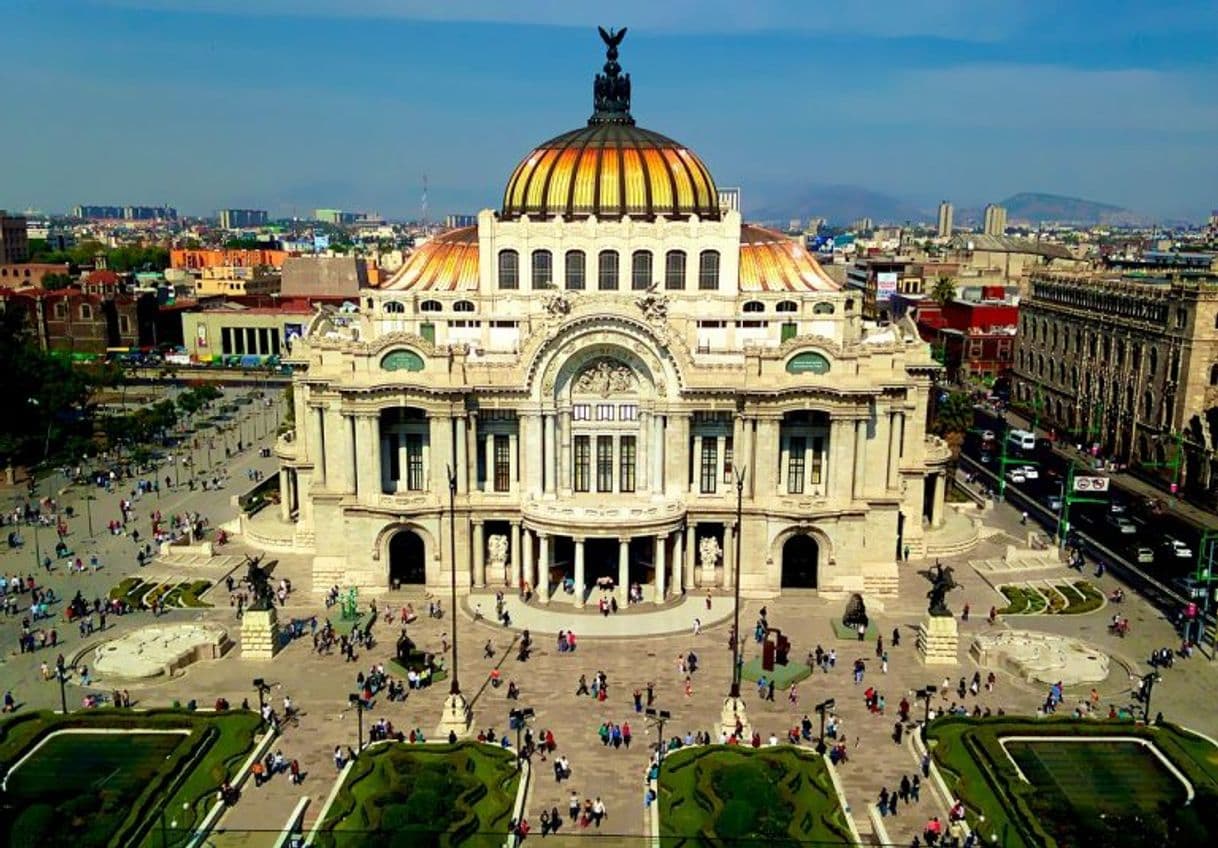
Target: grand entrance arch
(800, 555)
(407, 559)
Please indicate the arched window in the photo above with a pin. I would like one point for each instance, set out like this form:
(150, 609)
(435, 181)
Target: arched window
(393, 307)
(543, 269)
(1153, 365)
(788, 306)
(674, 270)
(463, 306)
(1148, 405)
(509, 269)
(640, 270)
(708, 270)
(827, 308)
(575, 270)
(430, 306)
(86, 312)
(754, 306)
(607, 271)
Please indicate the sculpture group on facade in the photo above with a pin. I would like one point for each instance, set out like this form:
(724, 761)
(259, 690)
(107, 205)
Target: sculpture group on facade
(605, 377)
(709, 552)
(497, 551)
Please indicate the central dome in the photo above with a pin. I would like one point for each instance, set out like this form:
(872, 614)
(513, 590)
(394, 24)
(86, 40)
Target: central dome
(611, 168)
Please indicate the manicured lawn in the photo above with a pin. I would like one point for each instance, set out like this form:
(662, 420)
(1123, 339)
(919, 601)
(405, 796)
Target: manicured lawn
(715, 794)
(99, 788)
(180, 595)
(1077, 793)
(416, 796)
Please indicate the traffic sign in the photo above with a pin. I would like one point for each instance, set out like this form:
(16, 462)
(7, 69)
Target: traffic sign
(1090, 484)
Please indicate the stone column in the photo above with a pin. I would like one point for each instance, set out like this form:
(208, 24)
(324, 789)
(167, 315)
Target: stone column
(765, 457)
(317, 445)
(564, 451)
(293, 490)
(691, 554)
(349, 455)
(642, 454)
(514, 555)
(936, 507)
(729, 555)
(528, 573)
(841, 452)
(661, 569)
(513, 464)
(551, 455)
(895, 425)
(860, 458)
(440, 435)
(335, 450)
(579, 571)
(623, 572)
(479, 555)
(657, 454)
(676, 454)
(784, 462)
(471, 450)
(695, 485)
(530, 455)
(462, 466)
(678, 564)
(368, 458)
(285, 496)
(543, 567)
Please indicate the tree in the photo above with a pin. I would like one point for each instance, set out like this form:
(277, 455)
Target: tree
(953, 415)
(54, 282)
(944, 291)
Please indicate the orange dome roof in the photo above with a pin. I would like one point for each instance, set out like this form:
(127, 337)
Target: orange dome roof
(769, 261)
(611, 170)
(448, 262)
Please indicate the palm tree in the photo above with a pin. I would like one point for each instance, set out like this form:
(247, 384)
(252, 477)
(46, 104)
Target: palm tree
(944, 290)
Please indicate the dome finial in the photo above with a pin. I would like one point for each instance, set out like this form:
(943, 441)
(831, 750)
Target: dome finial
(611, 90)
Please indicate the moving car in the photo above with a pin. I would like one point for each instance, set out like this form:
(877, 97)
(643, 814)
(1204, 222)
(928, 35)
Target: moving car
(1030, 472)
(1177, 548)
(1054, 502)
(1144, 555)
(1122, 525)
(1016, 475)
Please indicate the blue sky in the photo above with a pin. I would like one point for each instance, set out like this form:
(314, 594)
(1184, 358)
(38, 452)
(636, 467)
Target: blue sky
(292, 104)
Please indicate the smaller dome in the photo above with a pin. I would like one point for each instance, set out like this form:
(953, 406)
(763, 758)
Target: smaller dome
(771, 262)
(447, 262)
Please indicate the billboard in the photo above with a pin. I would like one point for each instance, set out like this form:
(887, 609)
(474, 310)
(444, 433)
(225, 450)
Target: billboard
(885, 284)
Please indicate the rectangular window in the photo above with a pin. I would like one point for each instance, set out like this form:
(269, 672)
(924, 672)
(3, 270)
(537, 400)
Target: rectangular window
(395, 460)
(627, 464)
(708, 270)
(674, 270)
(543, 271)
(275, 340)
(607, 271)
(238, 340)
(503, 466)
(428, 331)
(581, 461)
(628, 412)
(710, 465)
(124, 324)
(728, 456)
(251, 340)
(604, 412)
(414, 462)
(797, 445)
(640, 270)
(818, 459)
(575, 270)
(264, 341)
(226, 340)
(581, 412)
(604, 463)
(789, 330)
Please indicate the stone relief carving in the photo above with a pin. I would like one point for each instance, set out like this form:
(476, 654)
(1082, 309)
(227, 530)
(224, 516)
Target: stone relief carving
(709, 552)
(605, 377)
(653, 305)
(559, 304)
(497, 550)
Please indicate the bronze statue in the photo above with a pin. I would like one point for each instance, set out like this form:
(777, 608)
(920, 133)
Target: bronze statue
(611, 90)
(259, 580)
(612, 39)
(941, 583)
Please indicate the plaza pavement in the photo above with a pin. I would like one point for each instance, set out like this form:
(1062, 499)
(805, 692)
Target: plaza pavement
(319, 686)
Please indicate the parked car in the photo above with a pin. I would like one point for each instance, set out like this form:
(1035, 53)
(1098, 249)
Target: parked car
(1054, 502)
(1118, 507)
(987, 435)
(1016, 475)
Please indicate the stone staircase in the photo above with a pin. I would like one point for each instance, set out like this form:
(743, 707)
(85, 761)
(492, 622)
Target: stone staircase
(189, 562)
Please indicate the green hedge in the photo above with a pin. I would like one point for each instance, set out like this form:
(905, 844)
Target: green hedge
(217, 746)
(718, 793)
(977, 769)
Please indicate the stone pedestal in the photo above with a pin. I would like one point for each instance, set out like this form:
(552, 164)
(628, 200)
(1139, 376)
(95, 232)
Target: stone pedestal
(733, 711)
(456, 718)
(259, 634)
(938, 638)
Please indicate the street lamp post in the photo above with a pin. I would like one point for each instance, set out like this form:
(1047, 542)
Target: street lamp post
(823, 707)
(926, 694)
(61, 673)
(737, 658)
(656, 718)
(1148, 686)
(89, 511)
(263, 689)
(457, 715)
(519, 717)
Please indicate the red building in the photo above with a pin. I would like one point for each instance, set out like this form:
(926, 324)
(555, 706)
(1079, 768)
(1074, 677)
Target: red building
(77, 322)
(973, 339)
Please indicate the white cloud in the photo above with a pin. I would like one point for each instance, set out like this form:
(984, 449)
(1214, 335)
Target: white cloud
(969, 20)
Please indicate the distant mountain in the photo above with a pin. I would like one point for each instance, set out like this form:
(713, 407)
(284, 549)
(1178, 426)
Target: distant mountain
(841, 204)
(1034, 207)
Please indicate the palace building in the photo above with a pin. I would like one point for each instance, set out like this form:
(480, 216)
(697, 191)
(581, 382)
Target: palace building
(610, 378)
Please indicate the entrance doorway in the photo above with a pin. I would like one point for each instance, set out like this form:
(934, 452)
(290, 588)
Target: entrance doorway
(407, 562)
(799, 559)
(600, 560)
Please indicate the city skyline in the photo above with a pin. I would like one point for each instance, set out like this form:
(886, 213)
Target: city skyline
(289, 107)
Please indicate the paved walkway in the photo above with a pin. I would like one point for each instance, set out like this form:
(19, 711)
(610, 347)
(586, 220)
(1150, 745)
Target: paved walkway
(644, 619)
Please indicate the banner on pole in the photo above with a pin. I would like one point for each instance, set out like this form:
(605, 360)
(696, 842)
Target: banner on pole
(1090, 484)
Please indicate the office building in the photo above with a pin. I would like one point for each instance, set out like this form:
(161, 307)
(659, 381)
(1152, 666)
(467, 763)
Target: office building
(14, 239)
(236, 219)
(945, 220)
(995, 220)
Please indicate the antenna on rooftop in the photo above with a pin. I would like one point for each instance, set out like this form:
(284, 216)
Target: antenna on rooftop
(424, 209)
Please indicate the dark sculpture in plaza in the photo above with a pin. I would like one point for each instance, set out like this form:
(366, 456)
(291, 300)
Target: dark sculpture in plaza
(941, 583)
(259, 581)
(856, 612)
